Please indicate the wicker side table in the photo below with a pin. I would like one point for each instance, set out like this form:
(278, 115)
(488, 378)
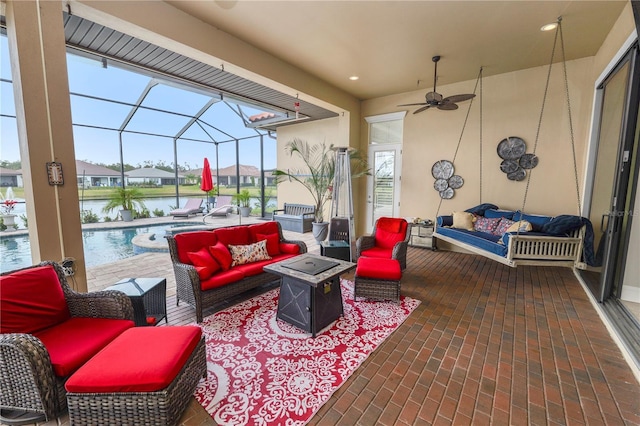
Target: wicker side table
(148, 297)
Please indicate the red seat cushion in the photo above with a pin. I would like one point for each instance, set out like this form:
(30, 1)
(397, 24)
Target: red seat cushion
(390, 231)
(31, 300)
(222, 278)
(193, 241)
(381, 269)
(75, 341)
(378, 252)
(235, 235)
(142, 359)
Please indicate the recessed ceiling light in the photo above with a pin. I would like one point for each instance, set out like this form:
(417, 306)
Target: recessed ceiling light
(354, 78)
(549, 27)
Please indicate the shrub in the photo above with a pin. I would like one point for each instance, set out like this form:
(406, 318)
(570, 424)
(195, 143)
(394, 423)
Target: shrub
(107, 219)
(158, 213)
(24, 219)
(87, 216)
(142, 214)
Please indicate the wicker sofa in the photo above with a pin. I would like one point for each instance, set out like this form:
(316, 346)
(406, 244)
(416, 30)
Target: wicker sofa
(514, 238)
(48, 332)
(206, 273)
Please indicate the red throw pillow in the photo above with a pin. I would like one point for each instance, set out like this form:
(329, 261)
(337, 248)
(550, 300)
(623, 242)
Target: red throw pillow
(221, 254)
(205, 264)
(289, 248)
(273, 243)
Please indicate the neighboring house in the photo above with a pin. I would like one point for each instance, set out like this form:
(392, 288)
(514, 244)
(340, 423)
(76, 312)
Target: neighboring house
(228, 176)
(153, 176)
(95, 175)
(9, 177)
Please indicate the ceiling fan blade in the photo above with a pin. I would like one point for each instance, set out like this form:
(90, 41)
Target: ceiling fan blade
(421, 103)
(447, 106)
(422, 109)
(459, 98)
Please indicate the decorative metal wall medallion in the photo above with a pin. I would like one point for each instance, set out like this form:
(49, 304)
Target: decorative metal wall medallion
(446, 182)
(514, 160)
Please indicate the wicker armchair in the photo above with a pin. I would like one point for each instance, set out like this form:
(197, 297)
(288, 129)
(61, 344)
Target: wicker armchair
(389, 239)
(29, 386)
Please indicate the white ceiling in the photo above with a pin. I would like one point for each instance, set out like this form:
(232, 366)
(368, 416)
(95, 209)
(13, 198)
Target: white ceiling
(389, 44)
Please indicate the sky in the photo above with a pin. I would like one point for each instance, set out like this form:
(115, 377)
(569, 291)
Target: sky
(89, 77)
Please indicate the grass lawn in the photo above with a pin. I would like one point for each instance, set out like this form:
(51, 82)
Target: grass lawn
(102, 193)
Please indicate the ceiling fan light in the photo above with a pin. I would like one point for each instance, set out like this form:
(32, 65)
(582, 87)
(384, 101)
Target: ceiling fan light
(549, 27)
(354, 78)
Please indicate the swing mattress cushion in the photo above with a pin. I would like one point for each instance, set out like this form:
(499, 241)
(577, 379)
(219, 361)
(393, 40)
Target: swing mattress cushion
(482, 240)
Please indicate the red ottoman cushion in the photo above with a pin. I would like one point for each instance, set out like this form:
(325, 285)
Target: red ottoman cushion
(379, 269)
(142, 359)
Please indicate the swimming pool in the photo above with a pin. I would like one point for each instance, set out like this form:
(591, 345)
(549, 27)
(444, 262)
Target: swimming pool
(100, 245)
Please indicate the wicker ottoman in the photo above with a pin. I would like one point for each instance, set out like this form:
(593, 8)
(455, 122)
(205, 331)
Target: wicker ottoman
(145, 376)
(377, 279)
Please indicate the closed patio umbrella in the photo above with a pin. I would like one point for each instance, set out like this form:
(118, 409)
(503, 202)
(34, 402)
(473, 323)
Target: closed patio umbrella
(206, 184)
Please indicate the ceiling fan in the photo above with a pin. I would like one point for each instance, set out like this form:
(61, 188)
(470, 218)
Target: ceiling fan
(435, 99)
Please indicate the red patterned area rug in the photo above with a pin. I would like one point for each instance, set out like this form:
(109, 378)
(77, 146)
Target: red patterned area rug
(263, 371)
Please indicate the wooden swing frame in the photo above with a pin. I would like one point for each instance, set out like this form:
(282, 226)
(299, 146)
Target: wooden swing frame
(522, 249)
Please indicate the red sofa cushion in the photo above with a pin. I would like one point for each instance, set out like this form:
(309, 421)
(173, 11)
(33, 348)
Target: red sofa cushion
(264, 228)
(205, 264)
(222, 278)
(273, 243)
(193, 241)
(142, 359)
(31, 300)
(390, 231)
(236, 235)
(222, 255)
(71, 343)
(381, 269)
(289, 248)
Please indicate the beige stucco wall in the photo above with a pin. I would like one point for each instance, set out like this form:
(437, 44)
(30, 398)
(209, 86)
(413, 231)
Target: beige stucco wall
(511, 107)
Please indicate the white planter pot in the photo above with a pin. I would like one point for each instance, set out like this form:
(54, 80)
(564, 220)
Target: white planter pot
(320, 230)
(9, 219)
(126, 215)
(245, 211)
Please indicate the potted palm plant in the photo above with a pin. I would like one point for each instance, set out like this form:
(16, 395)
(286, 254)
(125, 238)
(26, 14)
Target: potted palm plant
(127, 200)
(242, 199)
(317, 176)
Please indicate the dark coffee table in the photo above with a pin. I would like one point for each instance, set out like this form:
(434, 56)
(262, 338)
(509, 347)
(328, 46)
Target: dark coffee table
(310, 302)
(148, 297)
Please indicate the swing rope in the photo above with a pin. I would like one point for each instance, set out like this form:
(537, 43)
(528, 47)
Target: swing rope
(464, 125)
(544, 100)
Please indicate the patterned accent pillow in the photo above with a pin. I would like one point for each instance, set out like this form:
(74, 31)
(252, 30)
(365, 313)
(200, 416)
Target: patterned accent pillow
(502, 226)
(486, 224)
(249, 253)
(521, 226)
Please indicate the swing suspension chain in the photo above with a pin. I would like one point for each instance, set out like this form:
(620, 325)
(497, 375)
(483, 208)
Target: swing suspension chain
(544, 101)
(480, 100)
(573, 144)
(464, 125)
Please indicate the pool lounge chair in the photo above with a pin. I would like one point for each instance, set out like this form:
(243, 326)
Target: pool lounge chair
(222, 207)
(192, 206)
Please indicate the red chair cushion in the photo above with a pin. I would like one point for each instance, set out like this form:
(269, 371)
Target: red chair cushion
(31, 300)
(264, 228)
(73, 342)
(193, 241)
(378, 252)
(385, 236)
(235, 235)
(221, 278)
(273, 243)
(142, 359)
(289, 248)
(381, 269)
(205, 264)
(221, 254)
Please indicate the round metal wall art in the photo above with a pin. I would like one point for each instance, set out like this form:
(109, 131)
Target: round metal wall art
(515, 161)
(446, 182)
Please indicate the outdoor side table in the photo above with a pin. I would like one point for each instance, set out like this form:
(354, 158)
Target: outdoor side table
(148, 297)
(337, 249)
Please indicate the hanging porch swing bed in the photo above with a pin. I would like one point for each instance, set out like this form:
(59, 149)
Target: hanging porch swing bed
(513, 238)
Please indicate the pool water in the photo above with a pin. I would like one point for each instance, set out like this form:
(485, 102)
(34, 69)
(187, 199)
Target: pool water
(100, 246)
